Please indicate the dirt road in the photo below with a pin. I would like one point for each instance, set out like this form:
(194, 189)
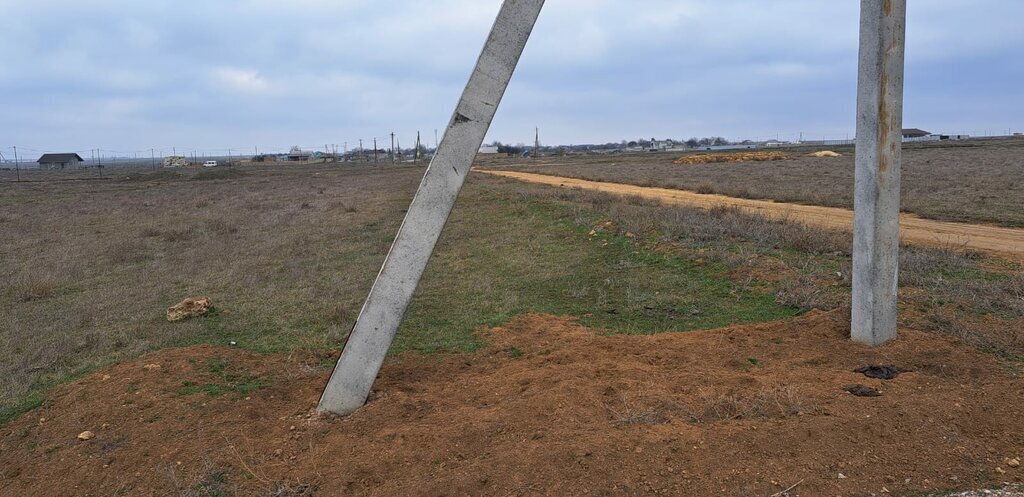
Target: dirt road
(914, 230)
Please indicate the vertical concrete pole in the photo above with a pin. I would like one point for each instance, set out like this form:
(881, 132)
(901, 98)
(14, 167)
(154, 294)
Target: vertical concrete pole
(878, 156)
(382, 312)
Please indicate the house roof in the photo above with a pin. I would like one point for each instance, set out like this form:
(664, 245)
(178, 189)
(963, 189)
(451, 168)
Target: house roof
(54, 158)
(915, 132)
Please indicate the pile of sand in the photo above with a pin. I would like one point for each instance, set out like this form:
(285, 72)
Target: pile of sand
(732, 157)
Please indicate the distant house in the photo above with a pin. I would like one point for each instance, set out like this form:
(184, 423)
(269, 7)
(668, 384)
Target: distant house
(661, 145)
(60, 161)
(489, 150)
(912, 133)
(297, 155)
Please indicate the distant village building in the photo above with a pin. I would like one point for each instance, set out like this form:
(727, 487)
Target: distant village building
(912, 133)
(60, 161)
(489, 150)
(298, 155)
(661, 145)
(920, 135)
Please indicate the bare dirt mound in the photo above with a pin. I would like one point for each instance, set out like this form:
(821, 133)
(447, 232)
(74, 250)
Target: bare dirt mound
(731, 157)
(1007, 242)
(549, 408)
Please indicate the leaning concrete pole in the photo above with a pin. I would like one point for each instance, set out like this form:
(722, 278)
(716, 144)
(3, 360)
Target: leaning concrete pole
(876, 234)
(382, 312)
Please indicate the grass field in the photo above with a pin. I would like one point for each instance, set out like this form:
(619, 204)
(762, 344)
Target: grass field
(287, 254)
(971, 181)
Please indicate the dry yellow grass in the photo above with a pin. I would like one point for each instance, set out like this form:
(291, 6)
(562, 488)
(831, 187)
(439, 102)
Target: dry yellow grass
(732, 157)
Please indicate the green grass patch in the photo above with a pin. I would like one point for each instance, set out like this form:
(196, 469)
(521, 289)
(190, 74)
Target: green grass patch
(229, 380)
(32, 401)
(498, 259)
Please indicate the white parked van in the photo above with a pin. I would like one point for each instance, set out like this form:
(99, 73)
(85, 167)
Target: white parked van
(210, 163)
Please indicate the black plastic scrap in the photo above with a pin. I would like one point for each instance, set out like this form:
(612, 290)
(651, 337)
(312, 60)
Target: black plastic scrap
(886, 372)
(863, 391)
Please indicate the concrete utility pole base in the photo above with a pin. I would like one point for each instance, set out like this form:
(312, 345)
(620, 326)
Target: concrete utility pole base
(382, 312)
(877, 190)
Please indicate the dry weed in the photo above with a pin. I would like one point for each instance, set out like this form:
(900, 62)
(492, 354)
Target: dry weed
(777, 401)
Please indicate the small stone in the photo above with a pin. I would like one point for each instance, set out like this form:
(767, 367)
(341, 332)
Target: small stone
(1000, 470)
(86, 435)
(151, 367)
(1013, 463)
(106, 377)
(842, 476)
(291, 428)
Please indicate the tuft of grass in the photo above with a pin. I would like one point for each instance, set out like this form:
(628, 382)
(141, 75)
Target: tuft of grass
(778, 401)
(21, 406)
(37, 288)
(231, 380)
(513, 352)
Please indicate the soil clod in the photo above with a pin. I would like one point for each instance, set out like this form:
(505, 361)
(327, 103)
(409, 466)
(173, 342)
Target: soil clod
(885, 372)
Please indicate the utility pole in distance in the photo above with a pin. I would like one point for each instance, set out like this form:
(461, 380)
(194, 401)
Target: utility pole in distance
(392, 147)
(17, 165)
(374, 150)
(416, 156)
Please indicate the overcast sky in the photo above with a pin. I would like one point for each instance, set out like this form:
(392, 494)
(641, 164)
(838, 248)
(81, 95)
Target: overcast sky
(128, 75)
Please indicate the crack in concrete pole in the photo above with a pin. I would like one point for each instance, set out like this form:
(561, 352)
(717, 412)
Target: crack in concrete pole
(877, 179)
(385, 306)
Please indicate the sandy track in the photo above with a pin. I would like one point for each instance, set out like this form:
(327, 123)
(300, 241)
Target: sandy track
(913, 229)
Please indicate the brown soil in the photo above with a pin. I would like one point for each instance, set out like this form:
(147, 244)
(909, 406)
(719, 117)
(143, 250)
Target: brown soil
(548, 408)
(913, 229)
